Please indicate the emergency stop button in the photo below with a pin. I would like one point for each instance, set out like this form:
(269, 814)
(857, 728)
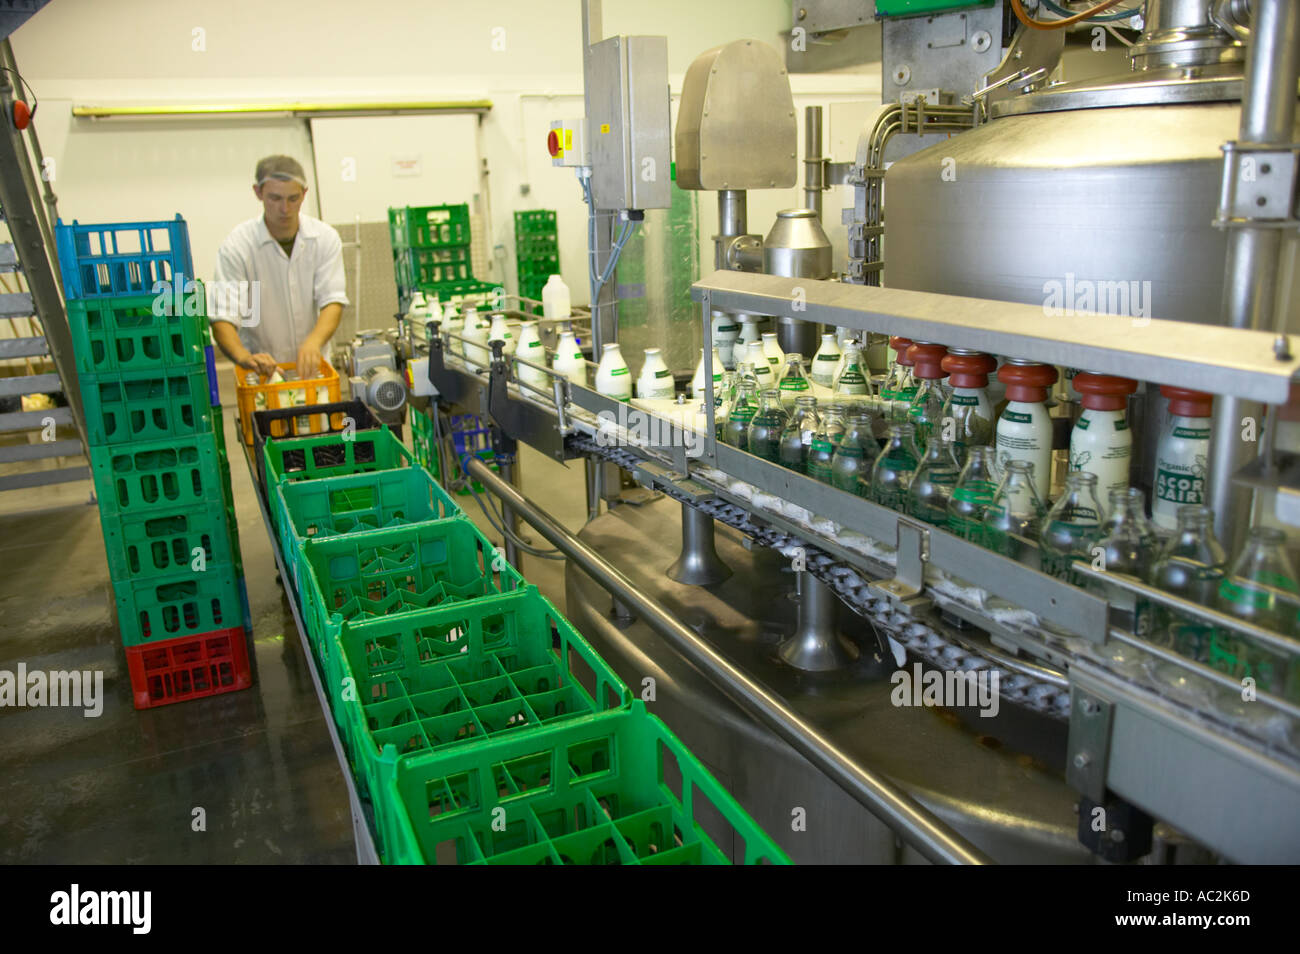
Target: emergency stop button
(553, 142)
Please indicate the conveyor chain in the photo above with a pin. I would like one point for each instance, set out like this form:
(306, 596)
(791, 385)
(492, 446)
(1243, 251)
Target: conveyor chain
(851, 587)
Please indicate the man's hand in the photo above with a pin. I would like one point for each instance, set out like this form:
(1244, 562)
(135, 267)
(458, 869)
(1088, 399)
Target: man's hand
(309, 361)
(261, 362)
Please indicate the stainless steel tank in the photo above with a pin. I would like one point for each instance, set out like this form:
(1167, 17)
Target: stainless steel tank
(797, 247)
(1115, 203)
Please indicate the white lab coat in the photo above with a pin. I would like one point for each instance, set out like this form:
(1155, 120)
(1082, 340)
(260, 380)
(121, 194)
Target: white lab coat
(274, 299)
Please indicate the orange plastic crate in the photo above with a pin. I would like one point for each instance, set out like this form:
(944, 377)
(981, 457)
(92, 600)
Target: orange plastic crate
(277, 396)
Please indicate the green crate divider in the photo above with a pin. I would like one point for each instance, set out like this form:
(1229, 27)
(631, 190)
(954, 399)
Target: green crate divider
(391, 572)
(535, 220)
(132, 406)
(459, 675)
(429, 226)
(141, 477)
(432, 266)
(186, 604)
(123, 333)
(596, 790)
(333, 455)
(426, 455)
(358, 503)
(163, 541)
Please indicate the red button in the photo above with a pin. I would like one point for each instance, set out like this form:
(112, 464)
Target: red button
(553, 142)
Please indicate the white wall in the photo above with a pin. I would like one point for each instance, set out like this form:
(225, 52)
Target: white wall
(144, 51)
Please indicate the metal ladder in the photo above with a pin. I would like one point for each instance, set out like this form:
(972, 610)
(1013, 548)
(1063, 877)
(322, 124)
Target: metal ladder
(32, 311)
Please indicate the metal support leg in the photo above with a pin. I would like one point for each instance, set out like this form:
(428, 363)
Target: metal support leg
(699, 563)
(815, 645)
(591, 469)
(506, 467)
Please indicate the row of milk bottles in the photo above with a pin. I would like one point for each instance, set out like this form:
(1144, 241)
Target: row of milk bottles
(477, 331)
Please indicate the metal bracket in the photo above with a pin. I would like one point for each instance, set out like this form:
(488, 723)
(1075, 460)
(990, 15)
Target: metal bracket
(1259, 186)
(906, 590)
(1089, 744)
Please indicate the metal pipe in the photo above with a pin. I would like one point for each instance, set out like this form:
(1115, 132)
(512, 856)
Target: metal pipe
(699, 563)
(1268, 104)
(733, 220)
(815, 646)
(813, 170)
(914, 823)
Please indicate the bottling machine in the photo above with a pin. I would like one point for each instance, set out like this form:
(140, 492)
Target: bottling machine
(1137, 227)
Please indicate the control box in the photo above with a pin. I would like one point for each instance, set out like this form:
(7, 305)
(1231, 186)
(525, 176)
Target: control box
(567, 142)
(629, 129)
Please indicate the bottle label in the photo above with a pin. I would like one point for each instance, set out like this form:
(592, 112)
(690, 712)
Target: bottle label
(1179, 488)
(1193, 433)
(967, 400)
(1018, 418)
(1121, 424)
(828, 357)
(975, 491)
(617, 371)
(851, 451)
(662, 374)
(1082, 424)
(727, 329)
(822, 447)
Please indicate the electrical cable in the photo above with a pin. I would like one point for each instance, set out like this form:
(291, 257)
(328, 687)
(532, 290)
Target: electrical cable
(505, 532)
(1108, 18)
(1033, 24)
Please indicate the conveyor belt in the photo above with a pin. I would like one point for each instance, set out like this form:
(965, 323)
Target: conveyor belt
(362, 818)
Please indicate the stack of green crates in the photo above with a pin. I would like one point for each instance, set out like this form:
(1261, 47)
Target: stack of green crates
(537, 252)
(431, 252)
(479, 725)
(159, 466)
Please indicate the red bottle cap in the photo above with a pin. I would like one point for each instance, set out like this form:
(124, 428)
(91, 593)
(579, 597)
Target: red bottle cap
(1184, 402)
(928, 359)
(901, 345)
(970, 370)
(1103, 392)
(1027, 382)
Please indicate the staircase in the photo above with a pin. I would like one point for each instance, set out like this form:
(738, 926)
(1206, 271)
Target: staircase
(35, 341)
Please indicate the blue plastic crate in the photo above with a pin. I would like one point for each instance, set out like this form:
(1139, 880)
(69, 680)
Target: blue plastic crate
(121, 258)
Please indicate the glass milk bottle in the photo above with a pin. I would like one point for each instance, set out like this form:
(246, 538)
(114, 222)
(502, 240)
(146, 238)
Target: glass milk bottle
(613, 378)
(530, 349)
(656, 381)
(825, 362)
(1016, 508)
(569, 361)
(968, 404)
(1101, 441)
(764, 434)
(1024, 431)
(1182, 455)
(926, 408)
(1073, 526)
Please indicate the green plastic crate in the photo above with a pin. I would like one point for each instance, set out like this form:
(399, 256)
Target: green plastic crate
(333, 506)
(188, 604)
(123, 333)
(141, 477)
(429, 226)
(135, 406)
(391, 572)
(454, 676)
(332, 455)
(617, 788)
(166, 541)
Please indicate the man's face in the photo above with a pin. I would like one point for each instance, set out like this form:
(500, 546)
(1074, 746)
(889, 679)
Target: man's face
(281, 200)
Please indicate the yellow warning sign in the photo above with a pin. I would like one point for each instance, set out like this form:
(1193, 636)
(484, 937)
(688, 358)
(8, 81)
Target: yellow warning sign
(604, 127)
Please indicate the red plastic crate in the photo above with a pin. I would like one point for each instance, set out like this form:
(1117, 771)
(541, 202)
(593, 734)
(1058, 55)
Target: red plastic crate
(191, 667)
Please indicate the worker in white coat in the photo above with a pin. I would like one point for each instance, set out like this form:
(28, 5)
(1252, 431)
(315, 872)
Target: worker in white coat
(279, 287)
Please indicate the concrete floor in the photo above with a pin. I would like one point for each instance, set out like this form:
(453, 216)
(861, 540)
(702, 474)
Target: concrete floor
(122, 787)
